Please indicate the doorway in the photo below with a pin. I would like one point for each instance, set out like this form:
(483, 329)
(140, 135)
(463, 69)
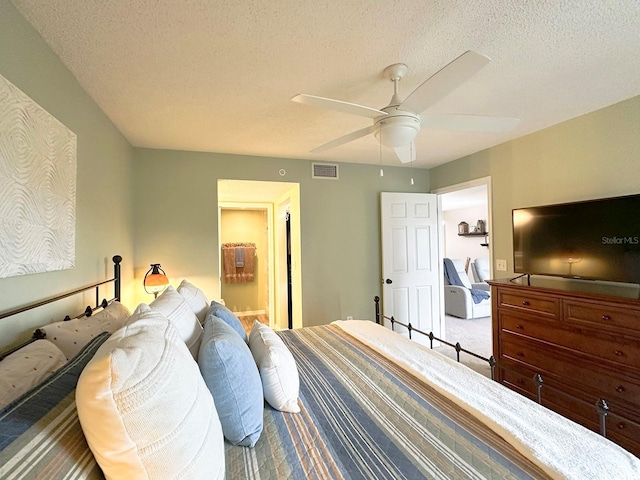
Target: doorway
(468, 202)
(247, 292)
(278, 260)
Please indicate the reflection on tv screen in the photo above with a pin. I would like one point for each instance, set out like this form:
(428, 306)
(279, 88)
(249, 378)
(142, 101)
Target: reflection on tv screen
(597, 239)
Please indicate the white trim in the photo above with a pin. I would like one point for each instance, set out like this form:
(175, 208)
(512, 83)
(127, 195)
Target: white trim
(461, 186)
(250, 312)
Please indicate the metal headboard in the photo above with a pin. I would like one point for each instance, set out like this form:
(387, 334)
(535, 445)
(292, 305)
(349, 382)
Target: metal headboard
(39, 334)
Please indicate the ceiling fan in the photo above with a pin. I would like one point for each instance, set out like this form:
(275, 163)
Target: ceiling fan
(398, 124)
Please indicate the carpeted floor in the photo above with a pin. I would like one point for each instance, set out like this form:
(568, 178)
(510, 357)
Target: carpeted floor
(473, 335)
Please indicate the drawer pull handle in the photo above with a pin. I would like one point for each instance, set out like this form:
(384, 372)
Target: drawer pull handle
(525, 302)
(619, 389)
(519, 327)
(606, 318)
(621, 426)
(619, 353)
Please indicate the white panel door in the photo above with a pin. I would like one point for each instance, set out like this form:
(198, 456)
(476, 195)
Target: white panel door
(410, 269)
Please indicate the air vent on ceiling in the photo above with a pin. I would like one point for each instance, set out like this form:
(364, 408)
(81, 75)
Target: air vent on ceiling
(324, 171)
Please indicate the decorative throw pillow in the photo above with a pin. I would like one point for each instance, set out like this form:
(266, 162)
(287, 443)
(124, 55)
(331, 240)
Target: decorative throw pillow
(278, 369)
(230, 373)
(195, 298)
(72, 335)
(223, 313)
(171, 304)
(144, 407)
(26, 368)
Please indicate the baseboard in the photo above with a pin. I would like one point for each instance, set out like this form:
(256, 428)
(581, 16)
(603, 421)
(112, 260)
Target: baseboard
(250, 312)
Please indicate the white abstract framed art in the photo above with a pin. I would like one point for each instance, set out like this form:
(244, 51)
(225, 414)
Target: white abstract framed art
(37, 187)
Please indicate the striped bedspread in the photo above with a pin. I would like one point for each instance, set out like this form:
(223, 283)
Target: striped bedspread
(364, 417)
(361, 417)
(40, 434)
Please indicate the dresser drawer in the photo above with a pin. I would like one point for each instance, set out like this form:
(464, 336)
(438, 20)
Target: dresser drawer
(619, 429)
(602, 315)
(575, 371)
(523, 384)
(624, 432)
(579, 407)
(621, 350)
(545, 306)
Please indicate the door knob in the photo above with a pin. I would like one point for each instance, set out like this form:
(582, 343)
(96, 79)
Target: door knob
(388, 281)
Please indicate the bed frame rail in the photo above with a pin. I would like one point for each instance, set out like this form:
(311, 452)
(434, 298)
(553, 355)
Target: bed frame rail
(601, 407)
(381, 317)
(39, 334)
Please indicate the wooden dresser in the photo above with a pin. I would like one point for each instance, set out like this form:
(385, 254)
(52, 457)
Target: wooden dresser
(585, 346)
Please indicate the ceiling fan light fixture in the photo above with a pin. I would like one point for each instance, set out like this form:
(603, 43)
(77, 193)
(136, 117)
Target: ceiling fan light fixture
(397, 131)
(398, 124)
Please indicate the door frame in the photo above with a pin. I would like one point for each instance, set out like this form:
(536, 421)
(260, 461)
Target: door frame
(454, 188)
(244, 191)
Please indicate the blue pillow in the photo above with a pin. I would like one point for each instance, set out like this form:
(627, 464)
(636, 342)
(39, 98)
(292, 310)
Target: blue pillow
(230, 372)
(226, 315)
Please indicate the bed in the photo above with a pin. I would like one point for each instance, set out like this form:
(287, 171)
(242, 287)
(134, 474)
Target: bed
(372, 404)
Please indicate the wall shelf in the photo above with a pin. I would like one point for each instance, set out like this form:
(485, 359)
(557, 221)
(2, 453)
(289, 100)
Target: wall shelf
(477, 234)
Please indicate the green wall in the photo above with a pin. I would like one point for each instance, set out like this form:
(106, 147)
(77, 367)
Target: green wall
(104, 221)
(176, 223)
(593, 156)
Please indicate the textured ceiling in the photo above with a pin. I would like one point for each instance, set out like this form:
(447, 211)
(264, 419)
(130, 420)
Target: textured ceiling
(218, 75)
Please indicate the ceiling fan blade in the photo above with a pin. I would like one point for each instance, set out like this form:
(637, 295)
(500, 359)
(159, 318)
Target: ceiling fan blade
(344, 139)
(406, 153)
(444, 81)
(468, 123)
(338, 105)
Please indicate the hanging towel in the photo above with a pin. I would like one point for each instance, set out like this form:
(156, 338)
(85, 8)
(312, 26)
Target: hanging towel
(229, 264)
(239, 257)
(248, 271)
(238, 262)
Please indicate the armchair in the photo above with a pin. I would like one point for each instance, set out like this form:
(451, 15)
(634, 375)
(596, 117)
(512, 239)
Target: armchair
(458, 301)
(481, 272)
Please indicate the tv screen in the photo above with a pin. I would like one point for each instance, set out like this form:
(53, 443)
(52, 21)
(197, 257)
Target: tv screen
(595, 239)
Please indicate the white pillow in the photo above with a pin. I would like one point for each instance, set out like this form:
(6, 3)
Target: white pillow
(72, 335)
(195, 298)
(278, 370)
(26, 368)
(171, 304)
(144, 407)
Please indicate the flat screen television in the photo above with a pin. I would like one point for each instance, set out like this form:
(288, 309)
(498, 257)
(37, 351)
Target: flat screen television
(592, 240)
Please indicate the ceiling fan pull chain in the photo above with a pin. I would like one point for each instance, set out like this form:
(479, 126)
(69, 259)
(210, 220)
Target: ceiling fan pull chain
(412, 154)
(381, 171)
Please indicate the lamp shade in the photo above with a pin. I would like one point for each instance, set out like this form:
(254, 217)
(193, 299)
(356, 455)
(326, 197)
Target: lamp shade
(397, 131)
(155, 280)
